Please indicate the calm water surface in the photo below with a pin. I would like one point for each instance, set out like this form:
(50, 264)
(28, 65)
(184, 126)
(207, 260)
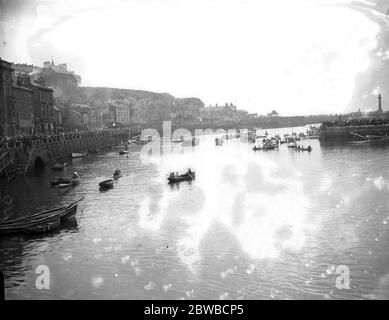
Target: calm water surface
(253, 225)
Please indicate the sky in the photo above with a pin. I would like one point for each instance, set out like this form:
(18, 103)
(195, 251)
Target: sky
(297, 57)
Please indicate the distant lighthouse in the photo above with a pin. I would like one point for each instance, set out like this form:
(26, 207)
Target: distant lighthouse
(379, 104)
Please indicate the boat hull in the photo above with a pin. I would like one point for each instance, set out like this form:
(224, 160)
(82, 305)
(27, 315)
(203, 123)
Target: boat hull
(42, 218)
(47, 227)
(183, 177)
(107, 184)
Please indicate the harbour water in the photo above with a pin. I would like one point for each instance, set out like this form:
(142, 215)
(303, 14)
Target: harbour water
(273, 224)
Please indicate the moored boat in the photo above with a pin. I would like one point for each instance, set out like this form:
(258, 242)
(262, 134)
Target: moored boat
(39, 219)
(42, 228)
(65, 185)
(58, 166)
(59, 181)
(106, 184)
(188, 176)
(79, 155)
(122, 152)
(269, 147)
(63, 213)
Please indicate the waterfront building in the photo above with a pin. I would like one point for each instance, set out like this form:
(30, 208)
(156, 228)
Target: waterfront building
(23, 97)
(122, 113)
(7, 102)
(108, 115)
(86, 111)
(218, 114)
(43, 101)
(273, 114)
(59, 116)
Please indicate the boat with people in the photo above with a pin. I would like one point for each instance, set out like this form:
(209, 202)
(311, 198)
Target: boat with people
(66, 182)
(175, 177)
(59, 181)
(257, 148)
(40, 219)
(117, 174)
(137, 140)
(76, 155)
(75, 175)
(302, 148)
(268, 146)
(106, 184)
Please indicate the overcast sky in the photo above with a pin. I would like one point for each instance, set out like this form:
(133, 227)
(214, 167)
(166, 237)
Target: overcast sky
(298, 57)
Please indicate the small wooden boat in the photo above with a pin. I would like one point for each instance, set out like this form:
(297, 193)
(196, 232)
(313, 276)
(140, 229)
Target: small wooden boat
(269, 147)
(183, 177)
(309, 149)
(106, 184)
(79, 155)
(39, 219)
(42, 228)
(58, 167)
(64, 213)
(256, 148)
(60, 181)
(122, 152)
(65, 185)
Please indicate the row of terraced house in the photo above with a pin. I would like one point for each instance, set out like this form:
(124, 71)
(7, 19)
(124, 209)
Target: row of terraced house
(26, 106)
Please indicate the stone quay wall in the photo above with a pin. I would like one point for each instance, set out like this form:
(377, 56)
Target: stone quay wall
(47, 151)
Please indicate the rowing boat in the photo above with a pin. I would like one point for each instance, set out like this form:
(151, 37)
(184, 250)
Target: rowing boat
(63, 213)
(183, 177)
(106, 184)
(79, 155)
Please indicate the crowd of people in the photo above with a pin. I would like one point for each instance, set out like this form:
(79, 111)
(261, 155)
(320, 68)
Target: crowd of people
(28, 140)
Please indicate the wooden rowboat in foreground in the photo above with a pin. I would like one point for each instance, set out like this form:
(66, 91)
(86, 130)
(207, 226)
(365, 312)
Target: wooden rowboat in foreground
(39, 219)
(49, 226)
